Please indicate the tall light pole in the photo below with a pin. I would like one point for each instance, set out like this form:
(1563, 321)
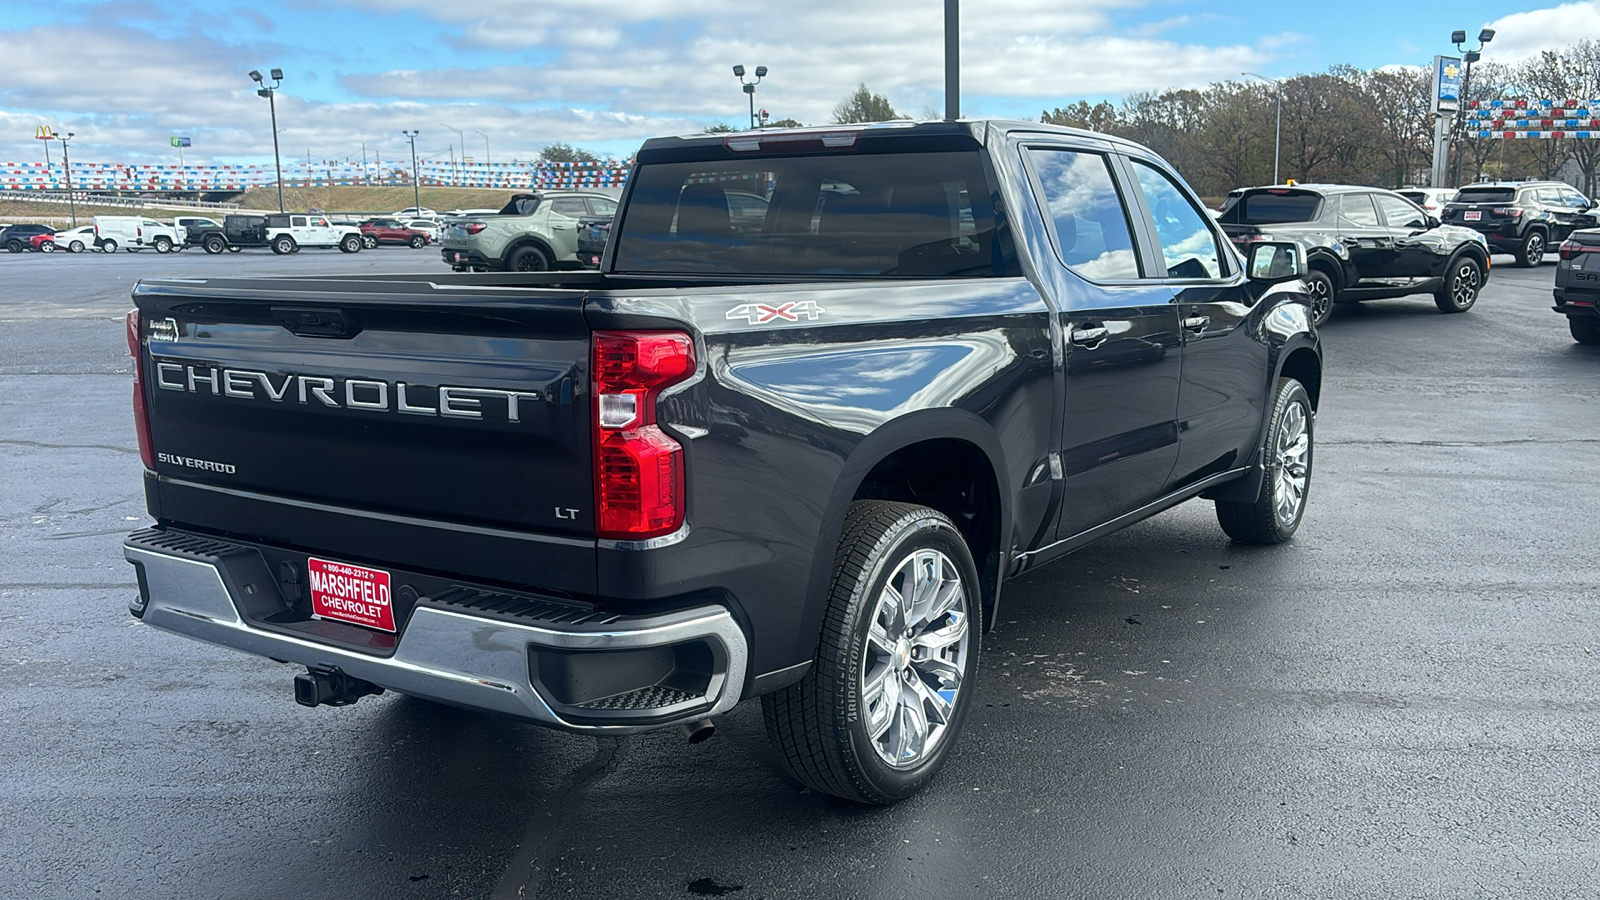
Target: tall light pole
(486, 160)
(750, 89)
(1468, 57)
(1277, 136)
(461, 139)
(66, 166)
(272, 104)
(952, 59)
(416, 189)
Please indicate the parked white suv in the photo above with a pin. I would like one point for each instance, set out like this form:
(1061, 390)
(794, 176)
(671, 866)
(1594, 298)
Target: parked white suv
(288, 233)
(134, 233)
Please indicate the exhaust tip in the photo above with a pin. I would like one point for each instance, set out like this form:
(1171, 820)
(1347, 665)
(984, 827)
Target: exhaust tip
(699, 731)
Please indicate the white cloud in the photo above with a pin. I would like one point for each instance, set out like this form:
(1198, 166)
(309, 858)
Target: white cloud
(1522, 35)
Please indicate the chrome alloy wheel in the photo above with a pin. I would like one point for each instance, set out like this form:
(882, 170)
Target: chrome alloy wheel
(914, 658)
(1464, 290)
(1292, 447)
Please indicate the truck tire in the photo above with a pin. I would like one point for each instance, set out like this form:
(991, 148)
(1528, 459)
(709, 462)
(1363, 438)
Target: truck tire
(350, 244)
(214, 244)
(1462, 282)
(283, 245)
(162, 245)
(1584, 331)
(109, 245)
(418, 242)
(876, 715)
(528, 259)
(1531, 251)
(1275, 514)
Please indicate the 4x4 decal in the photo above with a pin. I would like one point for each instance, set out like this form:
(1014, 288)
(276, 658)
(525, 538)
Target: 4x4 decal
(761, 313)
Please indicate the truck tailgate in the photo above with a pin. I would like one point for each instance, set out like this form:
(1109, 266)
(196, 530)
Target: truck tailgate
(401, 403)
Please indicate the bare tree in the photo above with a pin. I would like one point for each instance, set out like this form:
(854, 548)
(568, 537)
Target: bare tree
(1100, 117)
(1572, 73)
(1401, 103)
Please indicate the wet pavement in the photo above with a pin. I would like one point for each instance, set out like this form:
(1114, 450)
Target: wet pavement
(1399, 703)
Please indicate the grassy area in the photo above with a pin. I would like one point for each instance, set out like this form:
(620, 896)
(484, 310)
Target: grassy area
(373, 199)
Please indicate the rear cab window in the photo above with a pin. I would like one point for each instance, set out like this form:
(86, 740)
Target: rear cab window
(865, 212)
(1486, 195)
(1274, 206)
(1088, 217)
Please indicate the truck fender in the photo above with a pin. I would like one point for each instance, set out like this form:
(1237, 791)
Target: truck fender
(1287, 327)
(901, 433)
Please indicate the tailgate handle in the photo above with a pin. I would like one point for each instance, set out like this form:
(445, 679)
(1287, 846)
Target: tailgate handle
(317, 322)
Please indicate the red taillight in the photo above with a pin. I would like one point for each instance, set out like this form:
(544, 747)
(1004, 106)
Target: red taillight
(1512, 211)
(638, 468)
(1569, 249)
(141, 416)
(473, 227)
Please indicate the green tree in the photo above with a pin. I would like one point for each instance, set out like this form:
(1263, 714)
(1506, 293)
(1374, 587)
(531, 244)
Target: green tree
(864, 106)
(1100, 117)
(565, 153)
(717, 128)
(785, 123)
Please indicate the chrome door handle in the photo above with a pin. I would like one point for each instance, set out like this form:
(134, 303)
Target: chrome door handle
(1092, 335)
(1197, 323)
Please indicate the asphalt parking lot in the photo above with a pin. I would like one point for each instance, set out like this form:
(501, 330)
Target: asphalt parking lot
(1399, 703)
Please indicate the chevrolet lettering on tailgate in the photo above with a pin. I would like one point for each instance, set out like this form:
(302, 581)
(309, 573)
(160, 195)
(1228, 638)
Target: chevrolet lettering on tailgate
(356, 393)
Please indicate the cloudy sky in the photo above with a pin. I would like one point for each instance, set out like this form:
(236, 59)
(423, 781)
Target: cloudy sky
(604, 74)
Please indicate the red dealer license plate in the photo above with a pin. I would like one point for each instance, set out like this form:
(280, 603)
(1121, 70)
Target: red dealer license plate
(1473, 215)
(349, 593)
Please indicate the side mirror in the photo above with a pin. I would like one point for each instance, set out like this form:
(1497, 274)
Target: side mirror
(1431, 222)
(1274, 261)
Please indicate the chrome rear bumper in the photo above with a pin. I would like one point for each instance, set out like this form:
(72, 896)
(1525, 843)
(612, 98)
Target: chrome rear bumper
(454, 657)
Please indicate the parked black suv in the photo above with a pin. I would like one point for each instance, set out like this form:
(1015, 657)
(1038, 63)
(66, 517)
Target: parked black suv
(1363, 243)
(1578, 285)
(1523, 218)
(17, 238)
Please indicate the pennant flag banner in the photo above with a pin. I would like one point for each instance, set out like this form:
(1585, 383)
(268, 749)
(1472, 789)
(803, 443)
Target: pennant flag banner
(498, 176)
(1535, 119)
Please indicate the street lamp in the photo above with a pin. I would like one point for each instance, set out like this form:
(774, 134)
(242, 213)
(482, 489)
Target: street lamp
(1277, 137)
(461, 139)
(272, 104)
(66, 165)
(416, 190)
(1469, 57)
(750, 88)
(486, 160)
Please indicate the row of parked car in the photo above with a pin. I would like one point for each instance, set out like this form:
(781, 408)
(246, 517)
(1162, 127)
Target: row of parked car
(282, 233)
(1366, 243)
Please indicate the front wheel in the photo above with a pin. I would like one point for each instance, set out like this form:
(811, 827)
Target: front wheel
(350, 244)
(75, 247)
(876, 715)
(1320, 286)
(1584, 331)
(163, 245)
(47, 247)
(108, 246)
(369, 242)
(283, 245)
(1275, 514)
(1462, 282)
(14, 246)
(418, 242)
(1531, 253)
(215, 245)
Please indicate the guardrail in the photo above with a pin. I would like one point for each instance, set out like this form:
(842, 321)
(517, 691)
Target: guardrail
(92, 199)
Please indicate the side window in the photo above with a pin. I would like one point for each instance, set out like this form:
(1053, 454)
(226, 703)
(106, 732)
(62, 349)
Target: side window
(1573, 198)
(1188, 245)
(1550, 196)
(1400, 214)
(603, 207)
(1091, 225)
(297, 221)
(1356, 211)
(572, 207)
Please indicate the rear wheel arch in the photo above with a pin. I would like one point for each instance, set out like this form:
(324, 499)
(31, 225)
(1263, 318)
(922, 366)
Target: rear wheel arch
(537, 243)
(895, 463)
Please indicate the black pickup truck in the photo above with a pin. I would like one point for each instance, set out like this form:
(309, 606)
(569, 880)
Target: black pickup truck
(794, 459)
